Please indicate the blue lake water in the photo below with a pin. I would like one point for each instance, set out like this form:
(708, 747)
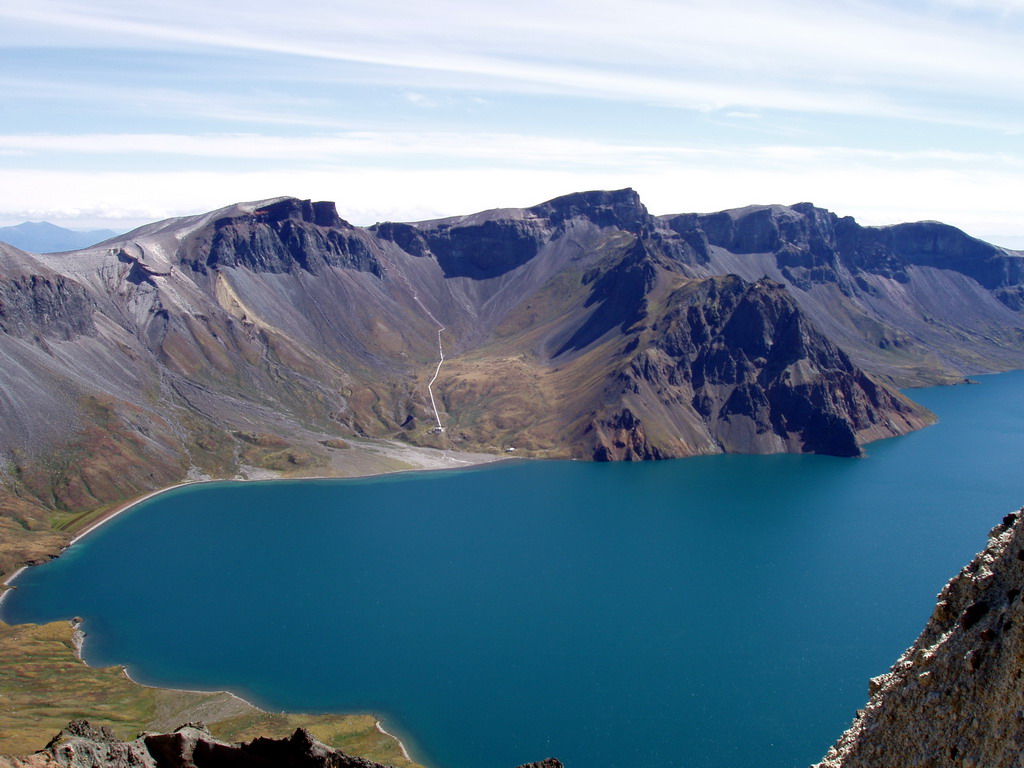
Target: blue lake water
(719, 612)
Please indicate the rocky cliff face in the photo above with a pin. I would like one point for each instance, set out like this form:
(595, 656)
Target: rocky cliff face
(36, 302)
(755, 374)
(955, 697)
(190, 746)
(282, 236)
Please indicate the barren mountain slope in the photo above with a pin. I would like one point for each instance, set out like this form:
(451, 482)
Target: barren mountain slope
(271, 334)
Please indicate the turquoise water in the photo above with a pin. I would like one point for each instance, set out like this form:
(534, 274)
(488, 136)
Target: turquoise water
(721, 612)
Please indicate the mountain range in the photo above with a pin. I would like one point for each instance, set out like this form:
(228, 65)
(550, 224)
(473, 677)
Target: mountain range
(275, 335)
(44, 237)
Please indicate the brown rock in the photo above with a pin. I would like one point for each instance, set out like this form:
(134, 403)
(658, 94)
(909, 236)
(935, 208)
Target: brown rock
(955, 697)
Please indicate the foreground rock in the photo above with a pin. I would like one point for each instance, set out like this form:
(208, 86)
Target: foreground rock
(80, 745)
(955, 698)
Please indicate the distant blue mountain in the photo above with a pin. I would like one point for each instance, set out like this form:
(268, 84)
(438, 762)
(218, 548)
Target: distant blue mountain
(44, 237)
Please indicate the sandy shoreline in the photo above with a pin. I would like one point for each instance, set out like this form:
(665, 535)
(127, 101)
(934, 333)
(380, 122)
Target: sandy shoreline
(7, 583)
(124, 671)
(442, 462)
(401, 745)
(108, 516)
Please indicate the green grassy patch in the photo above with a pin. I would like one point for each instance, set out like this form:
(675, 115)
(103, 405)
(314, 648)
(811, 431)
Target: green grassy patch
(43, 685)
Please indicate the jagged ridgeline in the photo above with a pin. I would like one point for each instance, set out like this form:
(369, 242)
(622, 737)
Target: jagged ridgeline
(268, 333)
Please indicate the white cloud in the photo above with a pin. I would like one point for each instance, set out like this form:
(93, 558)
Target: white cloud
(958, 62)
(508, 149)
(838, 58)
(441, 150)
(999, 6)
(420, 100)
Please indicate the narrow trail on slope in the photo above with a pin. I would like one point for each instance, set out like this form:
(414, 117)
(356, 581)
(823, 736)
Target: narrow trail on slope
(392, 269)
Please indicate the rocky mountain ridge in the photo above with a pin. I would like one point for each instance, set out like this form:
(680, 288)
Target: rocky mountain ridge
(920, 303)
(266, 334)
(44, 237)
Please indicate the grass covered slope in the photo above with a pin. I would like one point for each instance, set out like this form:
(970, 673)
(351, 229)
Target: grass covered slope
(44, 685)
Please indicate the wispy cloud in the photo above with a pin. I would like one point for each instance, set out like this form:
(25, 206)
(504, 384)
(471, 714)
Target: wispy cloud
(494, 149)
(887, 111)
(497, 148)
(840, 58)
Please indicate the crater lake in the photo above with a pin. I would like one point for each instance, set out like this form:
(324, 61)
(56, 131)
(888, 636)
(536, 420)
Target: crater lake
(715, 612)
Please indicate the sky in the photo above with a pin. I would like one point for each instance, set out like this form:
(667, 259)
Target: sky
(116, 113)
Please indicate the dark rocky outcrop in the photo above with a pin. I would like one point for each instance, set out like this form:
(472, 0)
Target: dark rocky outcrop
(954, 699)
(804, 235)
(80, 745)
(817, 246)
(620, 208)
(751, 354)
(920, 303)
(622, 437)
(283, 236)
(742, 363)
(53, 306)
(485, 250)
(548, 762)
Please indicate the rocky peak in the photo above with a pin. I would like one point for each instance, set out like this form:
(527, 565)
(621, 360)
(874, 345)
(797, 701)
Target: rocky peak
(322, 213)
(890, 250)
(287, 235)
(619, 208)
(481, 250)
(793, 230)
(405, 236)
(493, 243)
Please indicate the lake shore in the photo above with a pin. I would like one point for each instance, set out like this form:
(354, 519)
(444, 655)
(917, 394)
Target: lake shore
(7, 586)
(401, 744)
(386, 458)
(63, 686)
(393, 458)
